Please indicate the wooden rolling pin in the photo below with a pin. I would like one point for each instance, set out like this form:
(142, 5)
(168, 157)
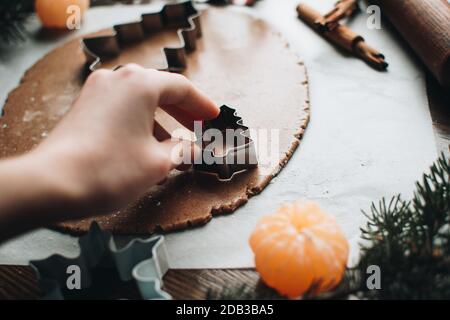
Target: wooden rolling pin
(425, 25)
(343, 37)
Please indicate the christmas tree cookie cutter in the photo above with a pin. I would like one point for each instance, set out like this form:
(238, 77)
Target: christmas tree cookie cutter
(236, 158)
(183, 16)
(142, 260)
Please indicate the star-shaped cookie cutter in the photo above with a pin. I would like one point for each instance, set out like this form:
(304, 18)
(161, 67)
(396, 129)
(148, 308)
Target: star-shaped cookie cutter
(181, 15)
(234, 159)
(142, 260)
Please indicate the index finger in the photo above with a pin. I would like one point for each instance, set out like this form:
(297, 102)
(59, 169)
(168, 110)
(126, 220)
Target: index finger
(177, 91)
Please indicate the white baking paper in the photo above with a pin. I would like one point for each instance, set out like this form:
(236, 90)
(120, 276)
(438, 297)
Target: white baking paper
(370, 136)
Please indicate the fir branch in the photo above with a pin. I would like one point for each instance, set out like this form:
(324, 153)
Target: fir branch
(410, 241)
(13, 14)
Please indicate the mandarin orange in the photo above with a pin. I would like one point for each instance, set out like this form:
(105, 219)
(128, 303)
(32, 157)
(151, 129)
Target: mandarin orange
(53, 13)
(298, 248)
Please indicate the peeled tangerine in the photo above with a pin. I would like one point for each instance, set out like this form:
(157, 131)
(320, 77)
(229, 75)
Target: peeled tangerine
(298, 248)
(54, 13)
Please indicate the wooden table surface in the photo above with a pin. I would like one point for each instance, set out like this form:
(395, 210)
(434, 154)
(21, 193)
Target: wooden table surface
(19, 282)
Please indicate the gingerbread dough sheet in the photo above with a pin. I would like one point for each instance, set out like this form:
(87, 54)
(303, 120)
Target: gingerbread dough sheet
(240, 61)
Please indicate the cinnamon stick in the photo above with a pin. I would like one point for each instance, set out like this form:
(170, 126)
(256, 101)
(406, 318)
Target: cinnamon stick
(341, 10)
(343, 37)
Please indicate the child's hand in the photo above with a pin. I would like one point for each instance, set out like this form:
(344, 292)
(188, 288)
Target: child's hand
(108, 151)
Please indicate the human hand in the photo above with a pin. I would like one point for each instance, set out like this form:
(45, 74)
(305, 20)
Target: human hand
(108, 150)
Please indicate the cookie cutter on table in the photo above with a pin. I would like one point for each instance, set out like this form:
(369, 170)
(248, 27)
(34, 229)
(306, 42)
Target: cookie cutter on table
(182, 15)
(228, 164)
(142, 260)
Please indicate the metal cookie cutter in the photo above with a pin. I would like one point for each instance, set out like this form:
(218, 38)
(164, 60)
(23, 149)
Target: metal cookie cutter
(230, 160)
(181, 15)
(142, 260)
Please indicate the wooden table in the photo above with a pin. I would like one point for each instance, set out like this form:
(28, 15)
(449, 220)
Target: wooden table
(19, 282)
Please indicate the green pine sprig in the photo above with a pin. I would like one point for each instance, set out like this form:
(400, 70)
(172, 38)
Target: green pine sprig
(13, 14)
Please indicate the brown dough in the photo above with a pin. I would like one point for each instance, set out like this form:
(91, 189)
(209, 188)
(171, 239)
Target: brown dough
(240, 61)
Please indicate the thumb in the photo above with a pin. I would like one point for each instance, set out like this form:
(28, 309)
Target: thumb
(181, 152)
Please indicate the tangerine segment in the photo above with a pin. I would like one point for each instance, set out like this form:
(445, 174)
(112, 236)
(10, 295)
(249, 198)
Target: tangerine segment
(299, 247)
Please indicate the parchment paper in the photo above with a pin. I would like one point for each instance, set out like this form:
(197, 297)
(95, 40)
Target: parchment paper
(370, 136)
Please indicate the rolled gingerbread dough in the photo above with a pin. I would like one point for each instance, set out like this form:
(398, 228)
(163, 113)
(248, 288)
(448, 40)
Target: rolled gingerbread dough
(239, 61)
